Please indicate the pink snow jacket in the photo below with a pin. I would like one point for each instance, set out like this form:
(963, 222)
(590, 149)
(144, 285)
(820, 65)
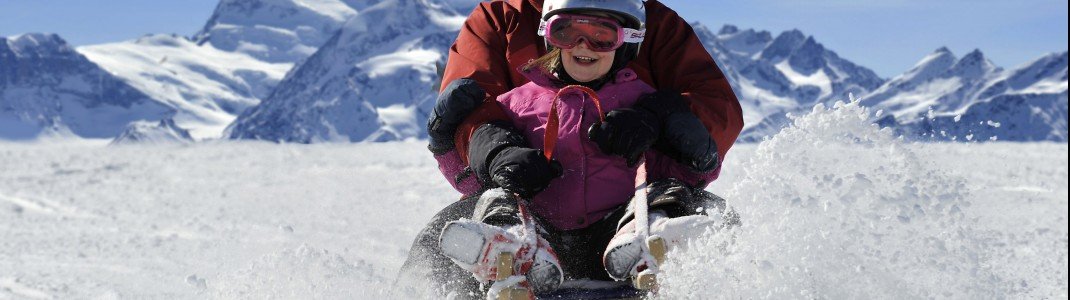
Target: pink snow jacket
(593, 183)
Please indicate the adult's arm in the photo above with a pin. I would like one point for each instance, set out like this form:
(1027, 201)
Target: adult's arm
(477, 70)
(479, 51)
(674, 59)
(496, 38)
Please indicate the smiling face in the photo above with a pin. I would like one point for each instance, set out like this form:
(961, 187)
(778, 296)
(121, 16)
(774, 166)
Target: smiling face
(586, 65)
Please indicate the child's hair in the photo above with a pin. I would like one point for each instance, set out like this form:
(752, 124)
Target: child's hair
(547, 63)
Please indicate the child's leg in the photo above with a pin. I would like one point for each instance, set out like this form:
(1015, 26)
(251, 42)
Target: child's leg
(429, 261)
(499, 210)
(426, 262)
(677, 199)
(581, 250)
(460, 249)
(677, 213)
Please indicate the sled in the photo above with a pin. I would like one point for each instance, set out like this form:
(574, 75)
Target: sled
(598, 290)
(569, 290)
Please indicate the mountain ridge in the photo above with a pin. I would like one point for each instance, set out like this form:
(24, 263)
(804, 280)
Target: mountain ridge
(46, 87)
(324, 53)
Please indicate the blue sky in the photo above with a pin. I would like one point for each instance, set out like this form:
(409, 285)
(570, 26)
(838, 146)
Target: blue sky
(888, 36)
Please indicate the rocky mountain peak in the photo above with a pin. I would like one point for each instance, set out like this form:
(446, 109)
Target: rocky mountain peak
(783, 45)
(973, 65)
(38, 45)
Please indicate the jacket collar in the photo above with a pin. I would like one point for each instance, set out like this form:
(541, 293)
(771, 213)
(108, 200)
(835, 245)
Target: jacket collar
(541, 78)
(517, 4)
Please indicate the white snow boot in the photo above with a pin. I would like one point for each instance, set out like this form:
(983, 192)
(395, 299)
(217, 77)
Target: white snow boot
(626, 257)
(516, 263)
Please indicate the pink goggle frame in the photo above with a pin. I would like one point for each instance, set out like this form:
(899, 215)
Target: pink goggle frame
(565, 31)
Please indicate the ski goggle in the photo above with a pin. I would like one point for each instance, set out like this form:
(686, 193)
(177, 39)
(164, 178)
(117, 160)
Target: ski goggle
(566, 31)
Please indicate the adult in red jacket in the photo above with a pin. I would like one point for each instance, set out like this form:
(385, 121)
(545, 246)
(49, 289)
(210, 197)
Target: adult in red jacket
(501, 36)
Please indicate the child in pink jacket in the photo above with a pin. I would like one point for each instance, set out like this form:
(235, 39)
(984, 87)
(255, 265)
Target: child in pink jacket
(579, 196)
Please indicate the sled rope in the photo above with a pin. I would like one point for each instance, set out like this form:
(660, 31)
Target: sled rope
(529, 231)
(553, 122)
(653, 247)
(639, 202)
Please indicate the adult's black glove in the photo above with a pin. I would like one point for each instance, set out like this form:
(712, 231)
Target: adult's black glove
(682, 136)
(457, 100)
(499, 156)
(626, 132)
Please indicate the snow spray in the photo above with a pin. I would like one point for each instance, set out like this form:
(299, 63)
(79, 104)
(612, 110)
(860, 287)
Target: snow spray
(835, 207)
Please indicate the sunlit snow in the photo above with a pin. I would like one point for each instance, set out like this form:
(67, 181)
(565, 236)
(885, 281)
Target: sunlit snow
(831, 208)
(818, 79)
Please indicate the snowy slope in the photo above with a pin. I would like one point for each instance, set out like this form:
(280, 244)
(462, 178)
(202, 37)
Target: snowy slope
(208, 87)
(372, 81)
(48, 88)
(334, 221)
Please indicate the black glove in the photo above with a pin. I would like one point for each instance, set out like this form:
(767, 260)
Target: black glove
(454, 104)
(626, 132)
(500, 157)
(523, 171)
(683, 137)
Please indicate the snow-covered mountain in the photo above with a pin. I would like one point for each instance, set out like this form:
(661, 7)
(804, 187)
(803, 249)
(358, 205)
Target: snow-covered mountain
(1008, 117)
(235, 61)
(208, 87)
(940, 82)
(357, 91)
(942, 97)
(364, 70)
(280, 31)
(1045, 75)
(970, 98)
(46, 87)
(775, 75)
(372, 81)
(285, 31)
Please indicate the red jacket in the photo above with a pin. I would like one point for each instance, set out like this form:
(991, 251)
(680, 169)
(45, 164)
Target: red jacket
(500, 36)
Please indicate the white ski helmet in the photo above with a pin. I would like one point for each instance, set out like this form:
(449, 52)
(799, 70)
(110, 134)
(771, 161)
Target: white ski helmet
(632, 12)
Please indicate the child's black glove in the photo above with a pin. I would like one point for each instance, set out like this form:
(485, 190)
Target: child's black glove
(454, 104)
(626, 132)
(523, 171)
(500, 157)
